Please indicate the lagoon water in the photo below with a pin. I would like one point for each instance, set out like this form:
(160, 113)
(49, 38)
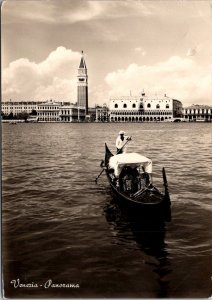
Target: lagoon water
(59, 225)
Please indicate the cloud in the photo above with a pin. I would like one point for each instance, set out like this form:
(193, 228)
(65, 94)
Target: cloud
(140, 50)
(180, 78)
(25, 11)
(73, 11)
(55, 77)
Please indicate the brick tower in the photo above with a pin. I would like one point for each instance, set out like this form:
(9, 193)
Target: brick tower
(82, 85)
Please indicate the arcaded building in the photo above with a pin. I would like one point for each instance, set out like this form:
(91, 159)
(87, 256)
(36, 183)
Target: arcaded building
(143, 108)
(198, 113)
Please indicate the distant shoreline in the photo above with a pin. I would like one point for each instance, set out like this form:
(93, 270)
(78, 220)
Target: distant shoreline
(62, 122)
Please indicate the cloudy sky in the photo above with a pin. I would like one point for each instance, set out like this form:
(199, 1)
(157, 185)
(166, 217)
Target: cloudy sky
(159, 46)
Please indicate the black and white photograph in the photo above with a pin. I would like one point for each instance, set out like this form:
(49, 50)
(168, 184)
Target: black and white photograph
(106, 135)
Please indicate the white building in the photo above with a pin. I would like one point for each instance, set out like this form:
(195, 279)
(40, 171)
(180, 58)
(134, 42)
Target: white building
(198, 113)
(17, 107)
(60, 112)
(143, 108)
(48, 111)
(71, 113)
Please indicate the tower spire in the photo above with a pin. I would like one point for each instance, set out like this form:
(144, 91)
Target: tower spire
(82, 62)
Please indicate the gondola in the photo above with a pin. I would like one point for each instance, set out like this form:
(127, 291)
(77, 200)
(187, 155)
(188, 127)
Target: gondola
(133, 189)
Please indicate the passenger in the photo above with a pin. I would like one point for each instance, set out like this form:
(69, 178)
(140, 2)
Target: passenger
(121, 142)
(129, 180)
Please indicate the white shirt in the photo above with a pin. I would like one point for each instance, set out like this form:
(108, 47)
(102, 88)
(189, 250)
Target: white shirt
(120, 143)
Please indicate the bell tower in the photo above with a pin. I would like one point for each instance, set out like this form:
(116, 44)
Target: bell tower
(82, 85)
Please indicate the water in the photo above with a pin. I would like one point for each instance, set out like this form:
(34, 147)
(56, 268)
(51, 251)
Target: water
(59, 225)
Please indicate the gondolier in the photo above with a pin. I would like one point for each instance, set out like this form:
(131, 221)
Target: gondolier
(121, 142)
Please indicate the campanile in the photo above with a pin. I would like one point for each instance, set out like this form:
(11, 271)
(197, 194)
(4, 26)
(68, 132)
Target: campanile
(82, 85)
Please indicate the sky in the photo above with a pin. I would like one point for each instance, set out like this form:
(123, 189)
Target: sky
(130, 46)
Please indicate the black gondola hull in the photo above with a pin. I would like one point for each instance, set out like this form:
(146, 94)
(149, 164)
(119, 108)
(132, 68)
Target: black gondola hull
(160, 210)
(158, 206)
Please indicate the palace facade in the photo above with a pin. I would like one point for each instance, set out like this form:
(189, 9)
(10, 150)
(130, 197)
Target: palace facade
(143, 108)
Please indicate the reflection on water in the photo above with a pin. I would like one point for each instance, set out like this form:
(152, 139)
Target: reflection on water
(149, 236)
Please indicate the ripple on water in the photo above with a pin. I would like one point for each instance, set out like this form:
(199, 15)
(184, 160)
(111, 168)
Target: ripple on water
(57, 223)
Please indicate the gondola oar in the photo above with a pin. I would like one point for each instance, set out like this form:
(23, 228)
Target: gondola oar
(99, 175)
(165, 183)
(103, 168)
(168, 214)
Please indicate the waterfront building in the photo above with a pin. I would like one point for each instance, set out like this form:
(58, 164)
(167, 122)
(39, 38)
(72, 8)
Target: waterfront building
(18, 107)
(71, 113)
(82, 85)
(102, 113)
(48, 111)
(143, 108)
(60, 112)
(198, 113)
(91, 117)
